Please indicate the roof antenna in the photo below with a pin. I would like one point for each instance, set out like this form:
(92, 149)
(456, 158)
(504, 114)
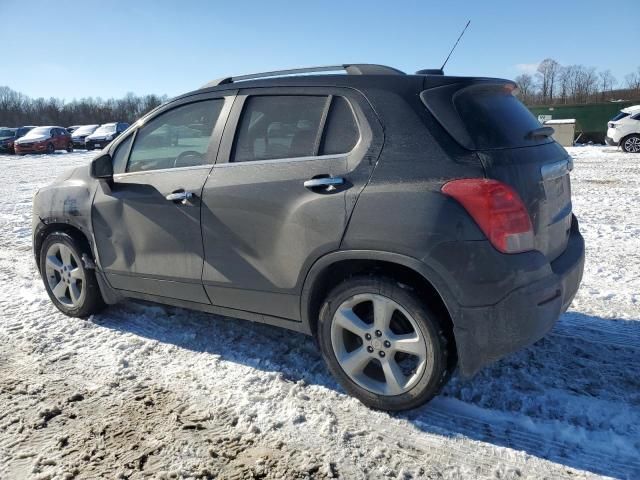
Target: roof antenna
(455, 45)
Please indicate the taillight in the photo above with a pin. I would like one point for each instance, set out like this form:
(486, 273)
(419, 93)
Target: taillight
(498, 211)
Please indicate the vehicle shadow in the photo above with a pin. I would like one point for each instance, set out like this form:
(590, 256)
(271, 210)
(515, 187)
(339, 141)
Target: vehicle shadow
(572, 398)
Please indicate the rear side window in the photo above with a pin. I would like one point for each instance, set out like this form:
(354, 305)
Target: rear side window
(341, 131)
(279, 127)
(291, 126)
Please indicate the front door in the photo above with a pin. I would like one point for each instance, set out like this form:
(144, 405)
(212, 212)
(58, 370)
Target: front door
(290, 167)
(147, 222)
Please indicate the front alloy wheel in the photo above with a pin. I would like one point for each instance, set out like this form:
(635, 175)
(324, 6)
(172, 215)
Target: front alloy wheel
(65, 275)
(71, 286)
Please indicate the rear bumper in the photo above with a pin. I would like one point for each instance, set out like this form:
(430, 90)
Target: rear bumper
(485, 334)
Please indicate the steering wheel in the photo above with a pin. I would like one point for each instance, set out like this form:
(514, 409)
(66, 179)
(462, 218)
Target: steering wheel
(188, 158)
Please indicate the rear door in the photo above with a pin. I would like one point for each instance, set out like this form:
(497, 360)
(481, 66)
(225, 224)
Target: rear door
(290, 168)
(147, 222)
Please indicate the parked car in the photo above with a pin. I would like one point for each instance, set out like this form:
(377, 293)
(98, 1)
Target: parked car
(104, 135)
(7, 137)
(44, 140)
(72, 128)
(81, 133)
(411, 223)
(624, 130)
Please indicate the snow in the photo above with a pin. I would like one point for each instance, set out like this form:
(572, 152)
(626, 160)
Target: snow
(151, 391)
(560, 121)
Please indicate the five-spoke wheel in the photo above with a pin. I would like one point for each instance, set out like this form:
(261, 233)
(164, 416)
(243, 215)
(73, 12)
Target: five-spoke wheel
(64, 274)
(72, 286)
(383, 343)
(378, 344)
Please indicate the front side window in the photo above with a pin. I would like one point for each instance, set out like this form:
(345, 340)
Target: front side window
(176, 138)
(279, 127)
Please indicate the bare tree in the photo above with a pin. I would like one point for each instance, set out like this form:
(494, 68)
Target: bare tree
(607, 82)
(526, 86)
(548, 73)
(633, 80)
(17, 109)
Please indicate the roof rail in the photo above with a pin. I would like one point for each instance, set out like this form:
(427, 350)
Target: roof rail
(350, 68)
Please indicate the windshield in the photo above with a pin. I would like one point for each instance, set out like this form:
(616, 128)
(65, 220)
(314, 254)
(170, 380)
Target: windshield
(85, 130)
(108, 128)
(38, 132)
(7, 132)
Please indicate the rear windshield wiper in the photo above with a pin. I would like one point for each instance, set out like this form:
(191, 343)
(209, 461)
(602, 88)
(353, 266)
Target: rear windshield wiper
(540, 133)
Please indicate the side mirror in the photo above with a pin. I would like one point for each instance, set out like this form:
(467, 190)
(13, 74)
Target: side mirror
(102, 167)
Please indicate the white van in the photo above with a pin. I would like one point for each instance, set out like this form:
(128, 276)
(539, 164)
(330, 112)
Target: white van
(624, 129)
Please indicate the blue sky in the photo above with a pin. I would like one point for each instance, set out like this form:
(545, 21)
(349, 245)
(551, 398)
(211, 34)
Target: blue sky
(70, 49)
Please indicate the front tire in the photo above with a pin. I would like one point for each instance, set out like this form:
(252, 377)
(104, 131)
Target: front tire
(382, 343)
(71, 286)
(631, 144)
(50, 148)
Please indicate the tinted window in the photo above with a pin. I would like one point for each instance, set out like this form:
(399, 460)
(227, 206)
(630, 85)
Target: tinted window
(120, 155)
(636, 116)
(619, 116)
(278, 127)
(495, 118)
(341, 130)
(177, 138)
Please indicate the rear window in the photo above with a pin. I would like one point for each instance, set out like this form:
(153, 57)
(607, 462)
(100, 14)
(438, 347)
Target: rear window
(619, 116)
(485, 116)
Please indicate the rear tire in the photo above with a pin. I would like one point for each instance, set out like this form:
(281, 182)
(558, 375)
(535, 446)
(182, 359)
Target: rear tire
(71, 286)
(631, 144)
(89, 147)
(70, 148)
(382, 343)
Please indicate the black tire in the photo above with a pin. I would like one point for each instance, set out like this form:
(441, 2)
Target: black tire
(631, 144)
(70, 147)
(430, 327)
(91, 299)
(89, 147)
(50, 148)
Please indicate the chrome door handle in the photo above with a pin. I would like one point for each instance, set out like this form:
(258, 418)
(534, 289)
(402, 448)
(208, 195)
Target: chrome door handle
(180, 196)
(323, 182)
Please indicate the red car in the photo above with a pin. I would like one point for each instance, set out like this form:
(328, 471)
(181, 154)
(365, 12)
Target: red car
(44, 140)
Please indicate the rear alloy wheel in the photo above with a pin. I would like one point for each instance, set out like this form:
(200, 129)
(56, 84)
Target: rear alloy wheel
(382, 343)
(631, 144)
(70, 147)
(51, 148)
(72, 287)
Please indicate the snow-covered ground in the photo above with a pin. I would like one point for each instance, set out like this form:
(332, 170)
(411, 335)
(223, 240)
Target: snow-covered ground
(150, 391)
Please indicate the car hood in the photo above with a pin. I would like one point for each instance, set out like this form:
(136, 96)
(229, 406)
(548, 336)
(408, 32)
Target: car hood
(32, 139)
(100, 136)
(2, 139)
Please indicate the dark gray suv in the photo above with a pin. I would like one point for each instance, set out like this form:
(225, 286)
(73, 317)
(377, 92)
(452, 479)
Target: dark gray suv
(412, 223)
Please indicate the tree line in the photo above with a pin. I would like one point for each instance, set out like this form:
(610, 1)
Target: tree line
(553, 83)
(17, 109)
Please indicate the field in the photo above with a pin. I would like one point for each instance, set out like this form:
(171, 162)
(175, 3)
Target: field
(149, 391)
